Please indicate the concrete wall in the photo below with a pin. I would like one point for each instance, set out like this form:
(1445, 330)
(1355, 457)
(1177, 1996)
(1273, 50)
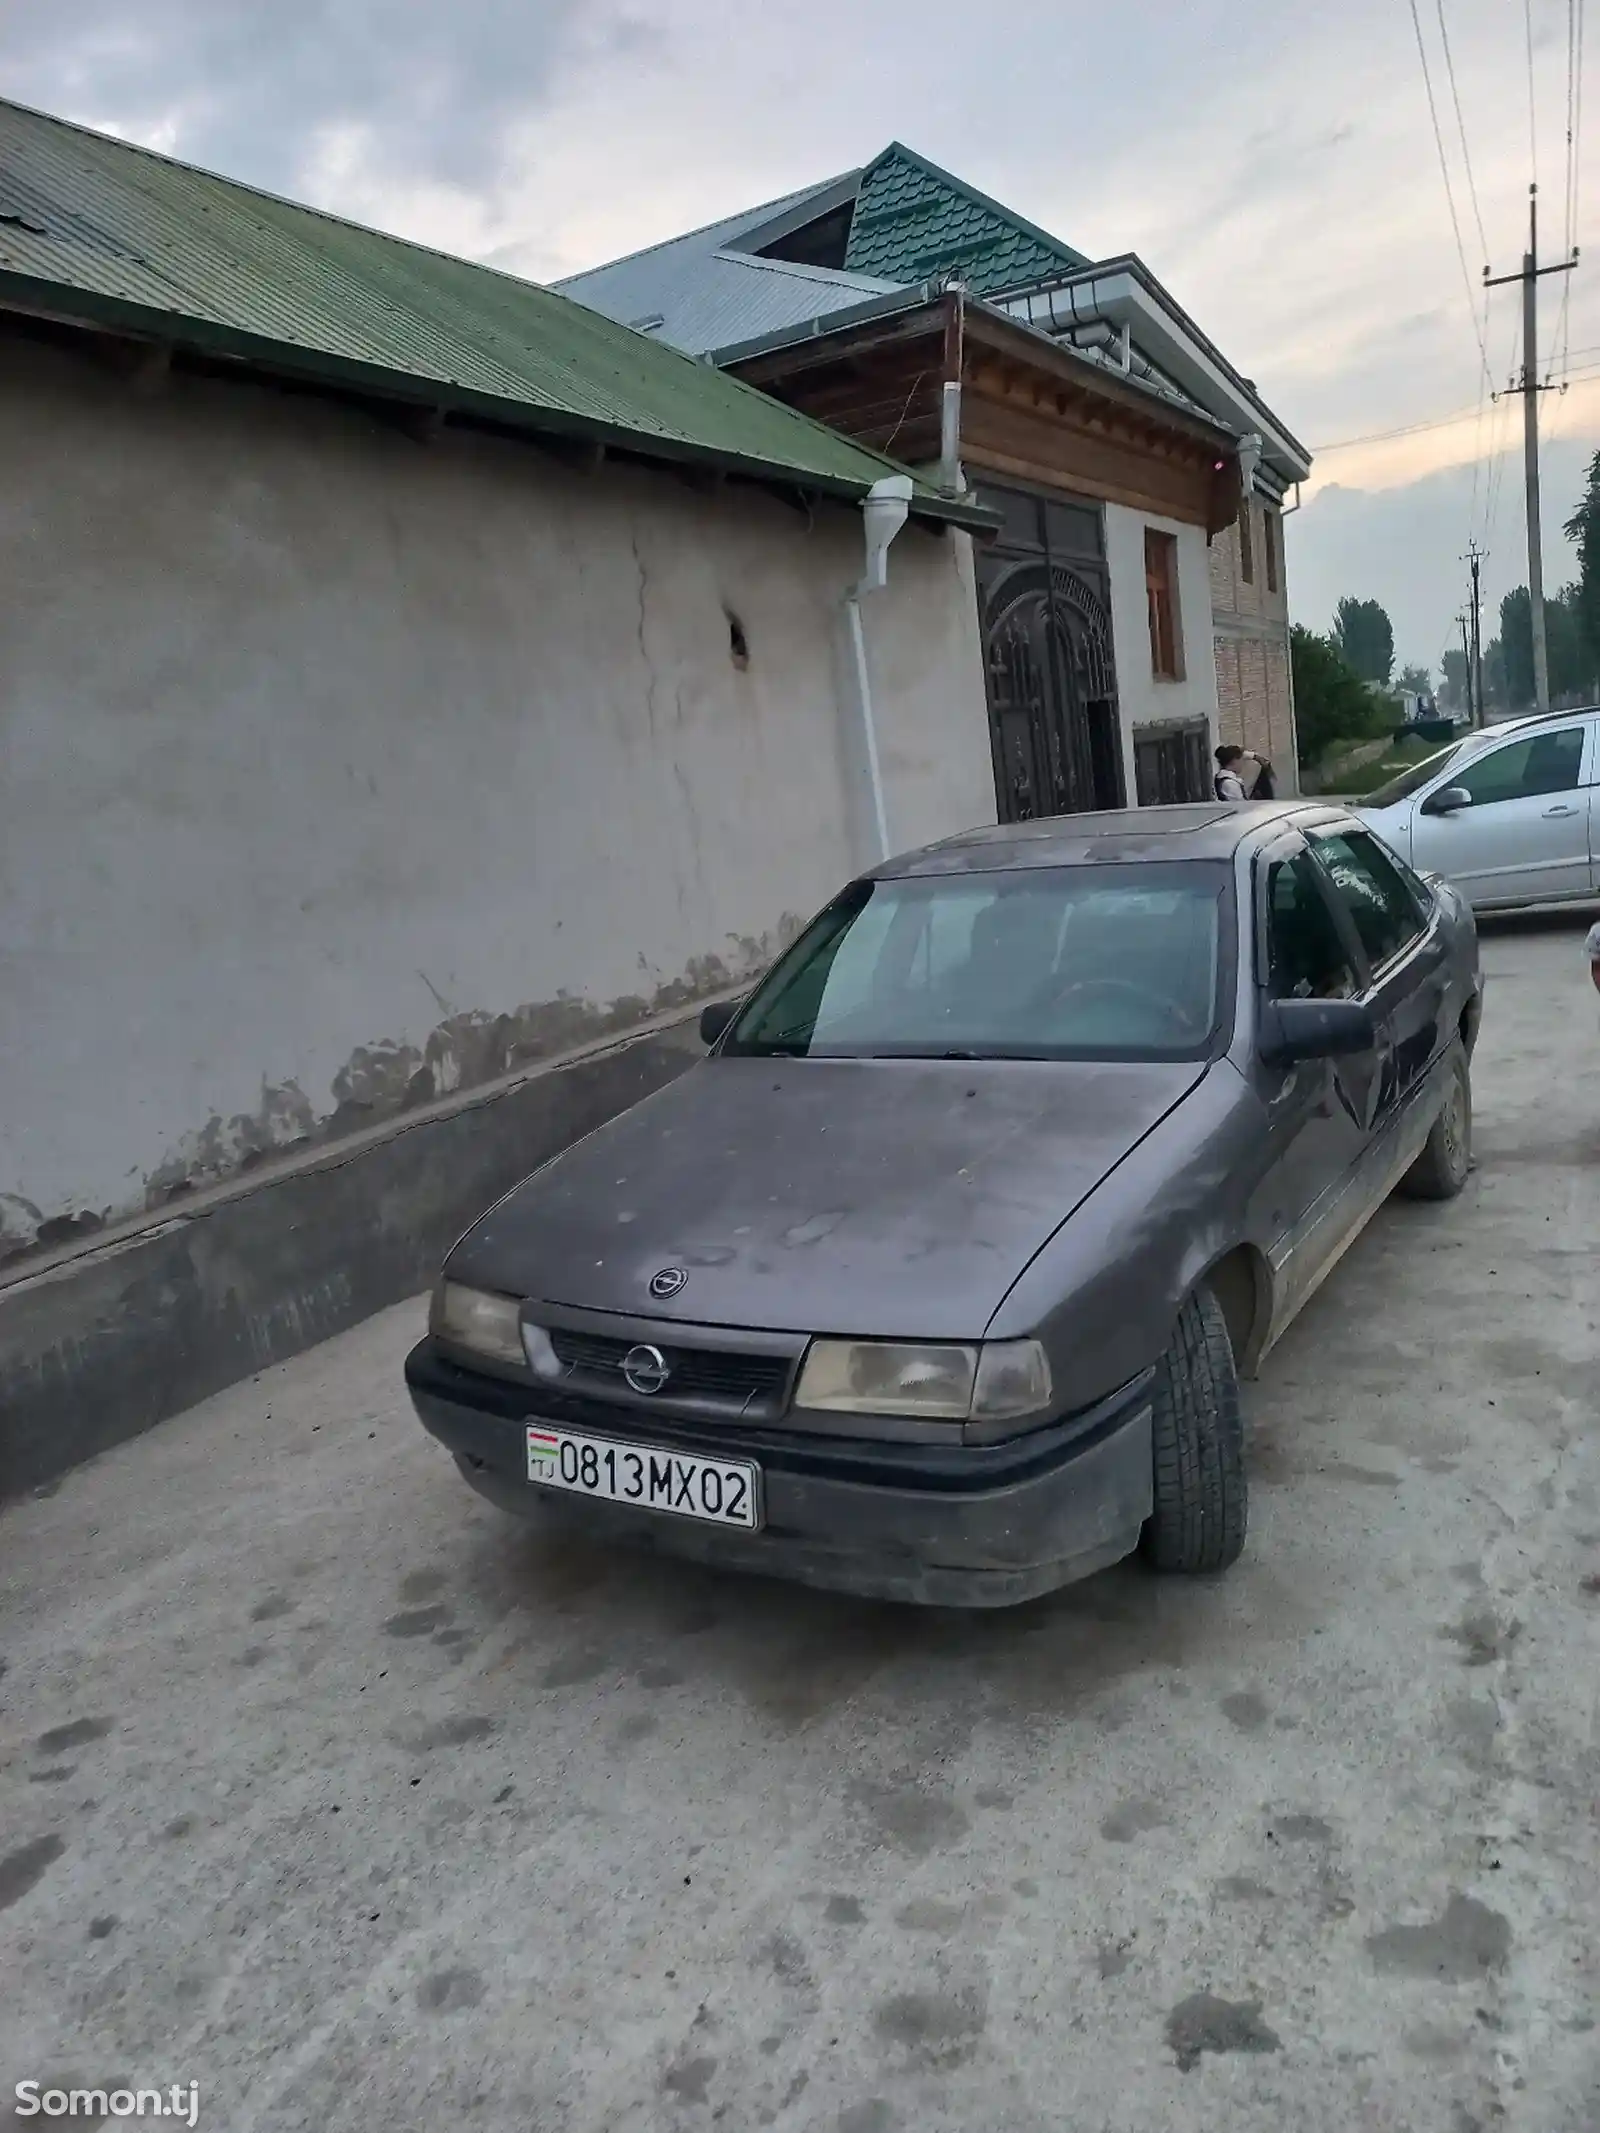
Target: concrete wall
(1145, 699)
(339, 772)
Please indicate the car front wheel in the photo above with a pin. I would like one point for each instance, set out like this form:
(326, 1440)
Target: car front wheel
(1201, 1503)
(1446, 1161)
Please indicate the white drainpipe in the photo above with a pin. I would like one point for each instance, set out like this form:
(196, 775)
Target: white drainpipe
(884, 512)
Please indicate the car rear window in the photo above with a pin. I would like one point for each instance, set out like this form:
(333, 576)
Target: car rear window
(1094, 962)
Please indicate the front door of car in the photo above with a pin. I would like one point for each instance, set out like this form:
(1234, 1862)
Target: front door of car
(1406, 952)
(1320, 1112)
(1524, 837)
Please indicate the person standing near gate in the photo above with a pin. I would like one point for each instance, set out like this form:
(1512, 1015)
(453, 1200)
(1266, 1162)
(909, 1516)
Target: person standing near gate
(1242, 776)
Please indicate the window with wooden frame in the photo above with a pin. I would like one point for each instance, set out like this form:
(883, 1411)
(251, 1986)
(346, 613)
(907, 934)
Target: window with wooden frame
(1247, 554)
(1272, 543)
(1161, 596)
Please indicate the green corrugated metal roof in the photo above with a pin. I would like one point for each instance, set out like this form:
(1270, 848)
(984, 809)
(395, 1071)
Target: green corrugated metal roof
(96, 229)
(914, 222)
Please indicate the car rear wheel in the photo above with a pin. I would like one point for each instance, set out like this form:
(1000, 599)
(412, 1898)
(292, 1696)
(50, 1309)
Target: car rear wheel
(1446, 1161)
(1201, 1503)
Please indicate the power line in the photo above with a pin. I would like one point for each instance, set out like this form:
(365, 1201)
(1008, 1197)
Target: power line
(1500, 424)
(1558, 340)
(1408, 429)
(1571, 99)
(1449, 194)
(1577, 130)
(1437, 422)
(1485, 402)
(1577, 121)
(1461, 127)
(1443, 421)
(1483, 244)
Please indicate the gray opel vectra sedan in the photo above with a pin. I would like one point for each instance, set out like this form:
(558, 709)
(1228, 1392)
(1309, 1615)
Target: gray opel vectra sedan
(933, 1280)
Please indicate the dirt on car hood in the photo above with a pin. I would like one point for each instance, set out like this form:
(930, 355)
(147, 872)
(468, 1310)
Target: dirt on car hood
(856, 1196)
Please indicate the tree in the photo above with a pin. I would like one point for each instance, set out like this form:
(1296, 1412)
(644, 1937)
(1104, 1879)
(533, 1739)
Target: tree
(1454, 692)
(1584, 528)
(1494, 675)
(1419, 680)
(1571, 668)
(1571, 664)
(1331, 701)
(1364, 637)
(1516, 645)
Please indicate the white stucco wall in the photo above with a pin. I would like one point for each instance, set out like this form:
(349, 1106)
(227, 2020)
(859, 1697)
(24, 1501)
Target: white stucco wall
(338, 771)
(1142, 698)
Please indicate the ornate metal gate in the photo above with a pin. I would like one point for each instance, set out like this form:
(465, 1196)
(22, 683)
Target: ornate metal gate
(1047, 649)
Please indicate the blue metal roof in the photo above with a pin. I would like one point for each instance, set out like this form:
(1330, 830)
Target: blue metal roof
(703, 291)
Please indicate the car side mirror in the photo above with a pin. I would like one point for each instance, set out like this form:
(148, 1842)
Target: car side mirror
(1448, 800)
(1292, 1030)
(715, 1018)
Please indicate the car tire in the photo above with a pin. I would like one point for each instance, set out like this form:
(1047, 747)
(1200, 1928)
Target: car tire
(1200, 1499)
(1445, 1163)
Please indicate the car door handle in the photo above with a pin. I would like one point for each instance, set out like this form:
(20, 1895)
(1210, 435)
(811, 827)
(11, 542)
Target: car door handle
(1551, 812)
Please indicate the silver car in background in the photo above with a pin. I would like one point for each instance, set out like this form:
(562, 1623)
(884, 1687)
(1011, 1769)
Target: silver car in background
(1510, 814)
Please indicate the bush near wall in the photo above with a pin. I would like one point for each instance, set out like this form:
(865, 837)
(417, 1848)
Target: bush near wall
(1332, 704)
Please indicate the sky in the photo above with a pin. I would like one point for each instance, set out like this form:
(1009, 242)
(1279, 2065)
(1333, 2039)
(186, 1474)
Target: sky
(1276, 168)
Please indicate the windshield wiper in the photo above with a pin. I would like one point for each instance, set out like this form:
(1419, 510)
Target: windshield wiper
(791, 1043)
(941, 1054)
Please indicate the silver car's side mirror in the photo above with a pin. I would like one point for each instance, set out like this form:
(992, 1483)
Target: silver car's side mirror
(1448, 800)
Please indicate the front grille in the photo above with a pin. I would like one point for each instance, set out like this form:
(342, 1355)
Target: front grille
(718, 1374)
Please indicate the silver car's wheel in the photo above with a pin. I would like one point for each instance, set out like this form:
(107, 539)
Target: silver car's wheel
(1446, 1161)
(1200, 1501)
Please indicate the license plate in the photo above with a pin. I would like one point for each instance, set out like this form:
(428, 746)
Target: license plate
(718, 1492)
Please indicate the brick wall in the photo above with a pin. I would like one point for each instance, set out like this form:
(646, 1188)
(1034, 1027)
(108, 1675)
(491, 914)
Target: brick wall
(1253, 706)
(1231, 592)
(1253, 703)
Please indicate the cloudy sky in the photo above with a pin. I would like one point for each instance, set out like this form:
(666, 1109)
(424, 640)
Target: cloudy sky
(1275, 167)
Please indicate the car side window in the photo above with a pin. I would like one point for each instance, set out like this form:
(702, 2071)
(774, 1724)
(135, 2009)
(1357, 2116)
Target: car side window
(1306, 955)
(1522, 770)
(1367, 882)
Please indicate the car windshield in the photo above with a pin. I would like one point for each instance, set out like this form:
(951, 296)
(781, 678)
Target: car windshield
(1412, 780)
(1083, 962)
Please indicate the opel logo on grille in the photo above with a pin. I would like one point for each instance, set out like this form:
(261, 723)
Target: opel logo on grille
(667, 1281)
(645, 1369)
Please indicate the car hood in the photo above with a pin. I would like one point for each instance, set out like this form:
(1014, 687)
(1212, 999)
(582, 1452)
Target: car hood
(853, 1196)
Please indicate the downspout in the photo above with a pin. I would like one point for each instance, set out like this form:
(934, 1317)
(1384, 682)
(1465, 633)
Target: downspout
(884, 512)
(951, 479)
(1288, 643)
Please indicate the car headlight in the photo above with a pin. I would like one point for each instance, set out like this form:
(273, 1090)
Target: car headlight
(488, 1324)
(992, 1382)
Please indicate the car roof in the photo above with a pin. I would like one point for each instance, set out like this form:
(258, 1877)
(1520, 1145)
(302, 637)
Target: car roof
(1210, 829)
(1524, 723)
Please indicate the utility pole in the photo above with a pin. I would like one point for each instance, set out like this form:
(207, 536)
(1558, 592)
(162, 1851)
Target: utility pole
(1474, 556)
(1466, 664)
(1531, 389)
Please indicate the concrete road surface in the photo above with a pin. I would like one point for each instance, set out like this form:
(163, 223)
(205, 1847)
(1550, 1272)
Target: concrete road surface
(324, 1788)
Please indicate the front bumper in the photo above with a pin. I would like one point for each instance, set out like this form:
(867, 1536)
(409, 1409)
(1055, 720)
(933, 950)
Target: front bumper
(956, 1526)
